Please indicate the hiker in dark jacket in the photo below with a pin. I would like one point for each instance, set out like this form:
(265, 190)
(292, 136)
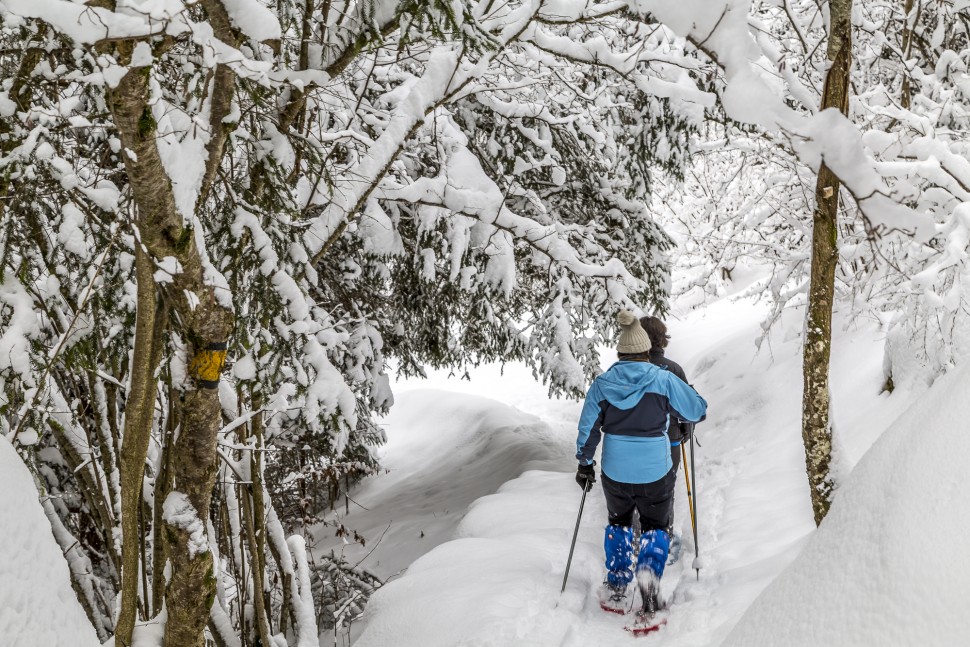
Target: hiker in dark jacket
(680, 430)
(630, 407)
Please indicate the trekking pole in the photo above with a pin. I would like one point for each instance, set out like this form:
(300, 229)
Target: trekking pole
(690, 495)
(693, 476)
(569, 560)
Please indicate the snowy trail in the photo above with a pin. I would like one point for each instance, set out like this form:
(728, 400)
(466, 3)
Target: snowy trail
(497, 581)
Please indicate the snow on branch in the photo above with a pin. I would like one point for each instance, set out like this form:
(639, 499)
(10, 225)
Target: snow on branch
(87, 24)
(754, 94)
(464, 188)
(445, 74)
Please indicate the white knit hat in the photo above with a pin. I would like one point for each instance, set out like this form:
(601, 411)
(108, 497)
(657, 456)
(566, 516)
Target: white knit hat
(633, 338)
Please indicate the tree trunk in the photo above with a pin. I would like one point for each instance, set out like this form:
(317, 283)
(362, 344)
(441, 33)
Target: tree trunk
(255, 522)
(163, 485)
(203, 321)
(139, 411)
(909, 25)
(816, 425)
(192, 587)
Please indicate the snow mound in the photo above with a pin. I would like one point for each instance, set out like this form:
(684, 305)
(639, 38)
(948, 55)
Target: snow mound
(444, 451)
(37, 604)
(889, 563)
(492, 586)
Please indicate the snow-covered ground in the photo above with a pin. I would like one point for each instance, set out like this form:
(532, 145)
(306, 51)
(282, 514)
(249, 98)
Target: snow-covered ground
(487, 571)
(889, 564)
(434, 470)
(38, 607)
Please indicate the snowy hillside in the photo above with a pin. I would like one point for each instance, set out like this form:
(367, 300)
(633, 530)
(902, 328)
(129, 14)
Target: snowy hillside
(448, 450)
(37, 605)
(888, 565)
(497, 582)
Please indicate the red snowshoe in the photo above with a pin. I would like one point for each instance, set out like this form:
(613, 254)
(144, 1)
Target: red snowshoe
(615, 599)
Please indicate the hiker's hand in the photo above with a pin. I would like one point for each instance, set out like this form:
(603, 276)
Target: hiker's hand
(686, 429)
(586, 476)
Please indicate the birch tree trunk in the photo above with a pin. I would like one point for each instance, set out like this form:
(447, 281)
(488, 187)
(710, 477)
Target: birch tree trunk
(139, 412)
(816, 424)
(203, 321)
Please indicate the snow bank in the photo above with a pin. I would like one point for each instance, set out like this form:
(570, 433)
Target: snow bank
(37, 604)
(444, 450)
(889, 564)
(496, 585)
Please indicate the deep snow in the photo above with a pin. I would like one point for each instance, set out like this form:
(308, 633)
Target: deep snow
(497, 581)
(432, 472)
(38, 607)
(888, 565)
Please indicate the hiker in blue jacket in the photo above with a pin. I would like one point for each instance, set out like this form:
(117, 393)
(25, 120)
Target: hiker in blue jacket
(630, 408)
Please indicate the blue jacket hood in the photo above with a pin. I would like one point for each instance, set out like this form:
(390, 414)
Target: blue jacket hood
(624, 384)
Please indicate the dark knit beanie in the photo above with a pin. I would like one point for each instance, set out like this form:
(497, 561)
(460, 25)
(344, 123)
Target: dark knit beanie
(633, 338)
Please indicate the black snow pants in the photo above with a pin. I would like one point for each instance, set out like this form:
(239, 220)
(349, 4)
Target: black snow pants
(653, 501)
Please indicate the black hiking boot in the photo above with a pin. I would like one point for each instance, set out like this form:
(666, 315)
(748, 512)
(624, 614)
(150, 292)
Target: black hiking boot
(615, 599)
(649, 593)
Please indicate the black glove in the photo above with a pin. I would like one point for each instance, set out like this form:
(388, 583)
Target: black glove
(586, 476)
(686, 429)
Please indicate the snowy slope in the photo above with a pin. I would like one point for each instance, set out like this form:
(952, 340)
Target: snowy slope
(446, 450)
(493, 586)
(498, 582)
(889, 564)
(38, 607)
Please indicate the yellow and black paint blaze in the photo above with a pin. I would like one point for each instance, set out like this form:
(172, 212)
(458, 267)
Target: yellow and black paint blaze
(206, 366)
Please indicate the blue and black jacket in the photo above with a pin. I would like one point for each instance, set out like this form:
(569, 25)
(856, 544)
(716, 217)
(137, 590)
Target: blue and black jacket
(632, 405)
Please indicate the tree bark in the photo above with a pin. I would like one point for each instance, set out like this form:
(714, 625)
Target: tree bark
(192, 587)
(255, 523)
(139, 410)
(163, 485)
(816, 423)
(203, 321)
